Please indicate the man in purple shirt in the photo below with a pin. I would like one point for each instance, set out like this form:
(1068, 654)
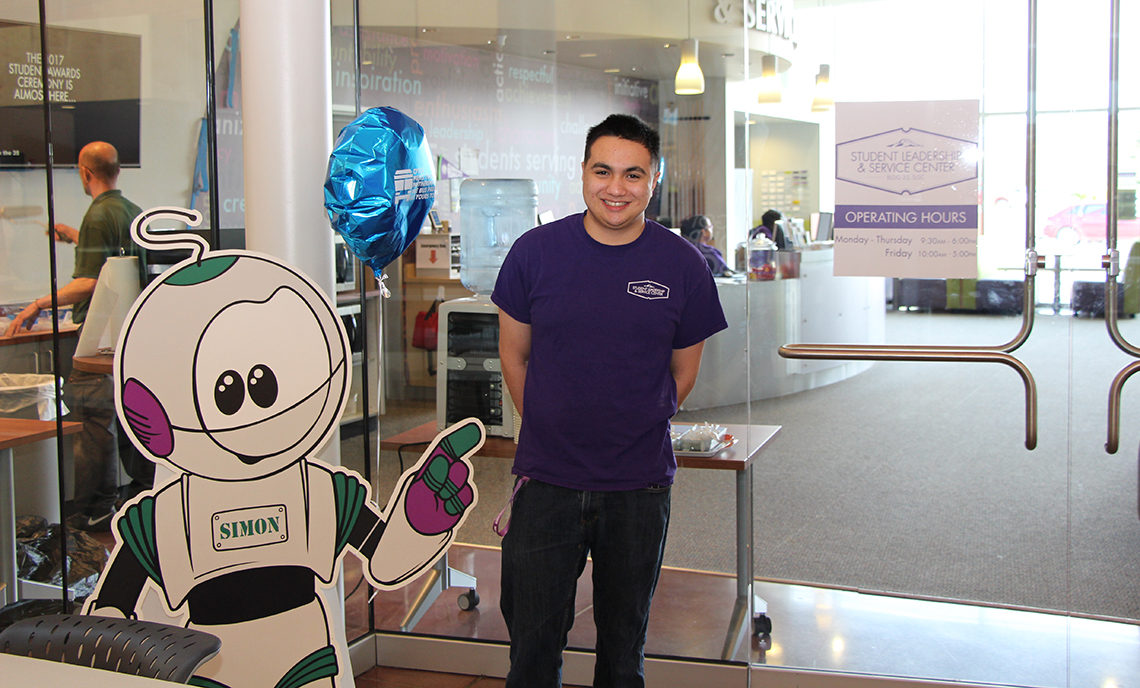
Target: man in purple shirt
(603, 317)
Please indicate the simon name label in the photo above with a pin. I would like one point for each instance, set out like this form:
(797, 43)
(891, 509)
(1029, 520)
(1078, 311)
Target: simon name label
(249, 527)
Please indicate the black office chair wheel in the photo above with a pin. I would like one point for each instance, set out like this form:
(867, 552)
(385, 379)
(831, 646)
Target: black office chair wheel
(761, 624)
(468, 600)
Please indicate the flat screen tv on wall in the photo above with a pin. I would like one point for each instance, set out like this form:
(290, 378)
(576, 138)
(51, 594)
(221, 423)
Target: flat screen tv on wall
(92, 81)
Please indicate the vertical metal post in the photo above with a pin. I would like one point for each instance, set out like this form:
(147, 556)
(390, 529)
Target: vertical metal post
(212, 126)
(365, 382)
(1113, 120)
(49, 172)
(1031, 131)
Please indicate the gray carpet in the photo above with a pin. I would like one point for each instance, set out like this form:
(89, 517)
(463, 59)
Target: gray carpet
(913, 478)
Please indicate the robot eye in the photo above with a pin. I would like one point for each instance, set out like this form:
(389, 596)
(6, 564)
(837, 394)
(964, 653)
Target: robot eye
(229, 392)
(262, 385)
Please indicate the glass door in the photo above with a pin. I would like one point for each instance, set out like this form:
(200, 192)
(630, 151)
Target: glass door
(936, 515)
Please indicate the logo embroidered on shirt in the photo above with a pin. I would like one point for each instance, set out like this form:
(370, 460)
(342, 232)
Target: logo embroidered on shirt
(648, 289)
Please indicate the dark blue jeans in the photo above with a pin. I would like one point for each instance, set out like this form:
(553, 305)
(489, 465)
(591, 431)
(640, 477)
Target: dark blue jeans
(91, 398)
(552, 530)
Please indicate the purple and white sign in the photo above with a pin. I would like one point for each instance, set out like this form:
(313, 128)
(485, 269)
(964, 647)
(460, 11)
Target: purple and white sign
(906, 189)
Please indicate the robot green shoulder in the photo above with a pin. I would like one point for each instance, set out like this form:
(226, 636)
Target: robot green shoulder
(137, 532)
(350, 496)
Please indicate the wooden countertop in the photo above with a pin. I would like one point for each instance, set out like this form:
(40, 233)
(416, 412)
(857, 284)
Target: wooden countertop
(37, 336)
(15, 432)
(99, 363)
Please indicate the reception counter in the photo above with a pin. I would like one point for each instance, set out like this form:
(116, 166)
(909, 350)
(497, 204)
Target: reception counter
(816, 307)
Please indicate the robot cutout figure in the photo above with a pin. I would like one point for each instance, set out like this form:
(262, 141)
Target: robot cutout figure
(233, 370)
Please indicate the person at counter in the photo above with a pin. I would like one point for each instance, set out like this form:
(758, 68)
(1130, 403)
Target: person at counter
(770, 228)
(104, 232)
(698, 230)
(603, 318)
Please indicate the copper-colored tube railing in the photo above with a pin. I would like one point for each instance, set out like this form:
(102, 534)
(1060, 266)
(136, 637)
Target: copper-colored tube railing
(1113, 442)
(856, 352)
(1000, 353)
(1111, 260)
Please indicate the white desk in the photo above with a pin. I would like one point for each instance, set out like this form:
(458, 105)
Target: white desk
(25, 671)
(816, 307)
(15, 432)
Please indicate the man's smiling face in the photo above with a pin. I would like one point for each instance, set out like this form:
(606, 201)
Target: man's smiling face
(618, 181)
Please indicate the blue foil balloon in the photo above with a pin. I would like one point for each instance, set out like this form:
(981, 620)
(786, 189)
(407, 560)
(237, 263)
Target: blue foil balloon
(380, 184)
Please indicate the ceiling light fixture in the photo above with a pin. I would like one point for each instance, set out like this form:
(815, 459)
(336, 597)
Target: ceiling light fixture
(823, 100)
(769, 81)
(690, 81)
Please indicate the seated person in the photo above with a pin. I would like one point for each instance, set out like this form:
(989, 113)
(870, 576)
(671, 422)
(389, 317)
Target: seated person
(770, 229)
(698, 229)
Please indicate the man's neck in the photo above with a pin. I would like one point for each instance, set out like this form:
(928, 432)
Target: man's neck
(612, 237)
(98, 189)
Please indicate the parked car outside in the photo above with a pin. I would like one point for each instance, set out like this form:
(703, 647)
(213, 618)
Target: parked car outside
(1088, 222)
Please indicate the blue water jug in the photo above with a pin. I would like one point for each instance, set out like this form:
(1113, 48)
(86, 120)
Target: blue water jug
(492, 214)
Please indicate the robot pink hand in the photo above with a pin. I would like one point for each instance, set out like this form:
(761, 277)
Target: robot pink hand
(440, 492)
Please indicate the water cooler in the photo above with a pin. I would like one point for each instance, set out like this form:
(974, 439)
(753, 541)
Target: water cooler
(469, 382)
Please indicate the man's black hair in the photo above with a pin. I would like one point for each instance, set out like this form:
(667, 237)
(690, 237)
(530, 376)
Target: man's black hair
(630, 128)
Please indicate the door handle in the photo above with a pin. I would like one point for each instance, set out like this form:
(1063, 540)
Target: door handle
(1111, 260)
(863, 352)
(948, 353)
(1113, 442)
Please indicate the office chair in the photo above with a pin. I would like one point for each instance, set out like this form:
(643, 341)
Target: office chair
(126, 646)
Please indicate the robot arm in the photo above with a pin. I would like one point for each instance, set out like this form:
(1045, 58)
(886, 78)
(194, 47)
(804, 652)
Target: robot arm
(134, 560)
(429, 503)
(119, 587)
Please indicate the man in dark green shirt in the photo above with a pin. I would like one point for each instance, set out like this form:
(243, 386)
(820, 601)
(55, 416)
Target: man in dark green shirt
(105, 232)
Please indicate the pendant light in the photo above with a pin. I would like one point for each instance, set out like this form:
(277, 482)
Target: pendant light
(769, 81)
(823, 100)
(690, 81)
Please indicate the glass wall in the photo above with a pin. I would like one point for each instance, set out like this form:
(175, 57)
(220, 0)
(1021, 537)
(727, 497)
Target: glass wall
(130, 74)
(508, 90)
(934, 501)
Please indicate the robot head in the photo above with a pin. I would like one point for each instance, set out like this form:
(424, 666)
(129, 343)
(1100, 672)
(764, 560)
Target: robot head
(231, 366)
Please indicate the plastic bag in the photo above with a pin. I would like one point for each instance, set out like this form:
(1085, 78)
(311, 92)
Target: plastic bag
(699, 438)
(38, 555)
(27, 395)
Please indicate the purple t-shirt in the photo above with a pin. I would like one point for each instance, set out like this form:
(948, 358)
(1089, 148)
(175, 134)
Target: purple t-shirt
(604, 323)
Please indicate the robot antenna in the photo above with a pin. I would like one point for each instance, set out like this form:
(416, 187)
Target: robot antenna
(167, 241)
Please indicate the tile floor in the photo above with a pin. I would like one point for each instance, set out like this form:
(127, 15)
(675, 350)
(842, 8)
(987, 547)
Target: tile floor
(814, 628)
